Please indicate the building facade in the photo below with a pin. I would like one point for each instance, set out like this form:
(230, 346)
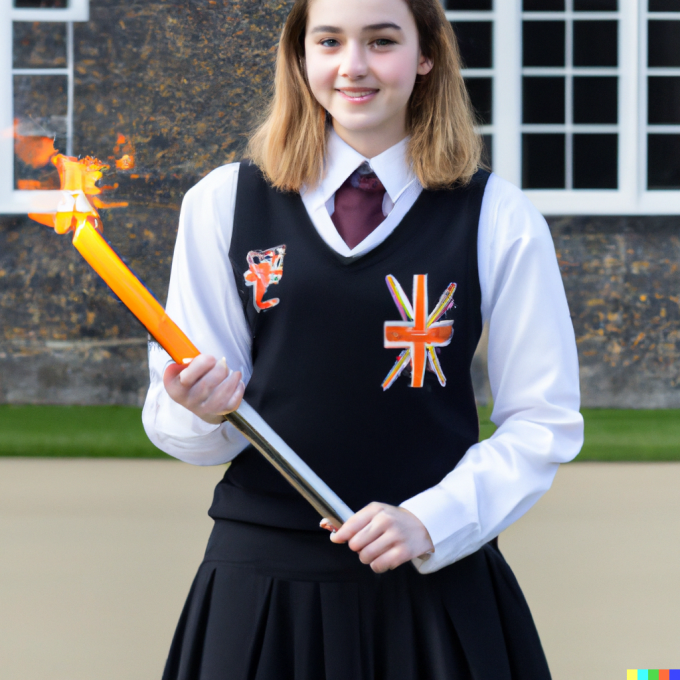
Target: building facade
(578, 103)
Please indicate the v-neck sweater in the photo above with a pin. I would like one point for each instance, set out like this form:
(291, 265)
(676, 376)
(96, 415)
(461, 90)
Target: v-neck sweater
(533, 366)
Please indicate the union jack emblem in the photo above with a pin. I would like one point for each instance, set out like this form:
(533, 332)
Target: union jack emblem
(265, 268)
(419, 334)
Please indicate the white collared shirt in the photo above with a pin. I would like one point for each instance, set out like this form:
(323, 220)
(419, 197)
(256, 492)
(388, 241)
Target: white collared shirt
(533, 366)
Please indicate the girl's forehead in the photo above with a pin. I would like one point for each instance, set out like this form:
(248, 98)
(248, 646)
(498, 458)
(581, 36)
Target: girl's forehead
(359, 14)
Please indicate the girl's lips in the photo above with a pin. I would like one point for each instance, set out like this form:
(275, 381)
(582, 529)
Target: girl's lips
(357, 96)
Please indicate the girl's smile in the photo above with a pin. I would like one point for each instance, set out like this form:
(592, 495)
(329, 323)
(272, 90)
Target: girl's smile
(357, 95)
(362, 58)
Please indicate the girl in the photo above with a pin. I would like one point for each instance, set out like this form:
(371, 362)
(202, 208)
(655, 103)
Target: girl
(325, 272)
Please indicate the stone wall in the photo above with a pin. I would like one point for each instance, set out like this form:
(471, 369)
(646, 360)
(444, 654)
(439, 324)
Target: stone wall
(183, 81)
(623, 285)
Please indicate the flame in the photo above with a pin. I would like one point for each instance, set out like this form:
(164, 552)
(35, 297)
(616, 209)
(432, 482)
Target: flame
(124, 146)
(80, 193)
(34, 150)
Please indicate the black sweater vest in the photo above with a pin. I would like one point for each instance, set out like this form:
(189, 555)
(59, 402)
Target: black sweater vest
(318, 323)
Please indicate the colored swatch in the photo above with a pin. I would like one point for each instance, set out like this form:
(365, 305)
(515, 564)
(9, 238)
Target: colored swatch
(653, 674)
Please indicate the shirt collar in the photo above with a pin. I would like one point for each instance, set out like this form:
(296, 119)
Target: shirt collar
(391, 167)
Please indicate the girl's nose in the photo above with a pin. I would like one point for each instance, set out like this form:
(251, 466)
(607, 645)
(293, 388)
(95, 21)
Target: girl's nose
(354, 64)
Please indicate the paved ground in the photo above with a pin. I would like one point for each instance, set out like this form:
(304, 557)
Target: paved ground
(96, 558)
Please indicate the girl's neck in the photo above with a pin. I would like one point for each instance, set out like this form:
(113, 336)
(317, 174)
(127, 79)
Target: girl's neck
(370, 143)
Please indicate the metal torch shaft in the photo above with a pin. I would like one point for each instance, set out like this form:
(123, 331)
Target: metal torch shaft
(324, 500)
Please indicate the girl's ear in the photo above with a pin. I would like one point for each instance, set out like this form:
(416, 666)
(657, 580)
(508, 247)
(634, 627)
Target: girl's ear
(425, 65)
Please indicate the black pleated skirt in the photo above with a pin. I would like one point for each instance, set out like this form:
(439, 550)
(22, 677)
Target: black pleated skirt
(278, 604)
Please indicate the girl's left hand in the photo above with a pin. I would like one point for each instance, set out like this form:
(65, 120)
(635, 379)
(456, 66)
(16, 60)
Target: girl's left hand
(385, 536)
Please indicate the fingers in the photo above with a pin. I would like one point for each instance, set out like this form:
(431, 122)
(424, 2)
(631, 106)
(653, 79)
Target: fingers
(205, 387)
(373, 550)
(391, 559)
(172, 373)
(226, 396)
(384, 536)
(201, 366)
(356, 523)
(378, 526)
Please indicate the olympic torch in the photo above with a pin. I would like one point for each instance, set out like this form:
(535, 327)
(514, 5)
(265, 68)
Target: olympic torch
(76, 214)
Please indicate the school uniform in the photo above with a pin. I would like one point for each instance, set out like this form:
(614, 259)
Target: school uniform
(263, 278)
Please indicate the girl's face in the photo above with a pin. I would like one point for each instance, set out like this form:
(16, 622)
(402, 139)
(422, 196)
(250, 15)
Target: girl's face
(362, 59)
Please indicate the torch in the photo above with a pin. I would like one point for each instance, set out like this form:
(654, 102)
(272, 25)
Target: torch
(77, 214)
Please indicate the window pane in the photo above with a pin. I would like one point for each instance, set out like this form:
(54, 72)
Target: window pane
(664, 5)
(543, 161)
(475, 40)
(543, 43)
(663, 159)
(596, 100)
(480, 91)
(40, 108)
(664, 43)
(39, 45)
(596, 161)
(470, 5)
(663, 103)
(596, 5)
(543, 100)
(53, 4)
(595, 43)
(543, 6)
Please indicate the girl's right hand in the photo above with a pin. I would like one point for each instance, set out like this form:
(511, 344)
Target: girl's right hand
(205, 387)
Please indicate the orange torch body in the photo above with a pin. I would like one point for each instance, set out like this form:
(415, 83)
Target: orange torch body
(104, 260)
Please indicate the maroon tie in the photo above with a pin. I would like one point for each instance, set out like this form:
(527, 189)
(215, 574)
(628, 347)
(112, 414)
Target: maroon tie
(358, 206)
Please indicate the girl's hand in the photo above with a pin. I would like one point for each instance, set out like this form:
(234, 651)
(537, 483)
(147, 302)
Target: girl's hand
(385, 536)
(205, 387)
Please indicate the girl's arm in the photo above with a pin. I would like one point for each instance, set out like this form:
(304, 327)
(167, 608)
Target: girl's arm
(533, 370)
(204, 302)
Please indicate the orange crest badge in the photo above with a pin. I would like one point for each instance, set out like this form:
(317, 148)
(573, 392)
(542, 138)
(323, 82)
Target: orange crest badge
(419, 333)
(265, 268)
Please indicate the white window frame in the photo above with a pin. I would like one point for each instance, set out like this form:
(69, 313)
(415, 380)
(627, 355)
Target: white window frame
(13, 201)
(632, 197)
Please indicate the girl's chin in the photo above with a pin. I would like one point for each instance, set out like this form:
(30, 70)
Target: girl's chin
(355, 127)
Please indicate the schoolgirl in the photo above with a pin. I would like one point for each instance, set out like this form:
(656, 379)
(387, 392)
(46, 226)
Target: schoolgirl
(344, 273)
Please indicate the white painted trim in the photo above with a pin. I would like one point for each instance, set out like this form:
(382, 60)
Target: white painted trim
(6, 98)
(78, 10)
(605, 202)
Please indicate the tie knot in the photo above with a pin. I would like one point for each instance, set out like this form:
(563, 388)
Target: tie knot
(365, 179)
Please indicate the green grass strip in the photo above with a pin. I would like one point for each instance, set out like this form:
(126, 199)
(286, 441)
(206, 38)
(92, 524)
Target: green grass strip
(74, 432)
(116, 432)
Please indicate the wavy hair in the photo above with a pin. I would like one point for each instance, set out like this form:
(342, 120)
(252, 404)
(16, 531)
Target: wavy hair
(289, 144)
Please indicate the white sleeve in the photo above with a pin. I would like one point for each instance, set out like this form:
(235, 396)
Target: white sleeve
(204, 303)
(533, 371)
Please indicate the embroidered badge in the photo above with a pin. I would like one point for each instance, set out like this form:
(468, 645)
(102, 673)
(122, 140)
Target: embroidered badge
(265, 268)
(419, 334)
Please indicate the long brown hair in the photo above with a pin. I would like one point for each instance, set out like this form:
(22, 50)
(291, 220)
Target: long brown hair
(290, 143)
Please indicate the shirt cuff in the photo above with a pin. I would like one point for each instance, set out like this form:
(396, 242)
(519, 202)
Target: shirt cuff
(449, 513)
(178, 422)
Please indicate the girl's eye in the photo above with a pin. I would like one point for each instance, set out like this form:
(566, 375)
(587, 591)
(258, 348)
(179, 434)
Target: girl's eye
(383, 42)
(329, 42)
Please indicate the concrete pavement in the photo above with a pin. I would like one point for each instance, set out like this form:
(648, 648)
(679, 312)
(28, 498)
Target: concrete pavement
(96, 558)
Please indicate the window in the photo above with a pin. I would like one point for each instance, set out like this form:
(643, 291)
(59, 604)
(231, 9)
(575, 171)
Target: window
(660, 76)
(474, 28)
(579, 100)
(36, 91)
